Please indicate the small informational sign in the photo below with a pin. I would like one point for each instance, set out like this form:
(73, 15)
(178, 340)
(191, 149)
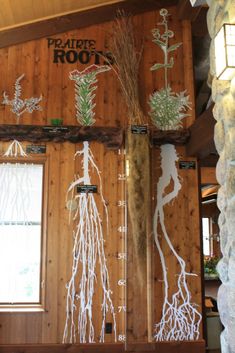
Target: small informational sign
(187, 164)
(36, 149)
(139, 129)
(55, 129)
(87, 189)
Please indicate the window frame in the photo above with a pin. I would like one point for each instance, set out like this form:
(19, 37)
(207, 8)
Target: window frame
(39, 306)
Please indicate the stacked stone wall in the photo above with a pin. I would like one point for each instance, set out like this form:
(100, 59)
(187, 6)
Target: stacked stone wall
(223, 94)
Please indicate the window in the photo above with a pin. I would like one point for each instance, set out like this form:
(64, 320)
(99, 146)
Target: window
(206, 237)
(21, 241)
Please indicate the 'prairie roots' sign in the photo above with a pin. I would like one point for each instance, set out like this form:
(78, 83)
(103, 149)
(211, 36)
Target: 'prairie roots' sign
(77, 50)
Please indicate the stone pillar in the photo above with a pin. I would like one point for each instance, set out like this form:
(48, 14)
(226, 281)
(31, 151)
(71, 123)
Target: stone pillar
(223, 94)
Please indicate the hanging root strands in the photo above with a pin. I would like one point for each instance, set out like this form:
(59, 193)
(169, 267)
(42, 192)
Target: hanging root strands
(180, 318)
(88, 253)
(15, 149)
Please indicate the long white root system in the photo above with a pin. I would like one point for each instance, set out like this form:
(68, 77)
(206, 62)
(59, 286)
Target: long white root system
(88, 254)
(180, 318)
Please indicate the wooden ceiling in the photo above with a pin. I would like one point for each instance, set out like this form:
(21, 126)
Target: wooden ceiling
(24, 20)
(16, 13)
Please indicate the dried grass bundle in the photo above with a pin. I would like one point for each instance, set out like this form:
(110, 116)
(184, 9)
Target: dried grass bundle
(127, 59)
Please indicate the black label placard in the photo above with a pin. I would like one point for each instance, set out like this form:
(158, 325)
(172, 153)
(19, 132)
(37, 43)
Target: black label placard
(87, 189)
(187, 164)
(36, 149)
(55, 129)
(139, 129)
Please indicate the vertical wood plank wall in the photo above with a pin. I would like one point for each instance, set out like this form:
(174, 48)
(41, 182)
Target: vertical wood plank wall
(42, 76)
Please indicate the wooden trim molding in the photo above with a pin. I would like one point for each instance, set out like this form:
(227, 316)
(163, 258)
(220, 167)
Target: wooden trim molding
(160, 347)
(112, 137)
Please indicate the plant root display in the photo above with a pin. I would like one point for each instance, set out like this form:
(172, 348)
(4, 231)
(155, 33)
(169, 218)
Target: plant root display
(88, 254)
(180, 317)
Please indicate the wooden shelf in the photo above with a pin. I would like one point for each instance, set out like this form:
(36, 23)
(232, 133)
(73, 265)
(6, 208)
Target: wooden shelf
(175, 137)
(112, 137)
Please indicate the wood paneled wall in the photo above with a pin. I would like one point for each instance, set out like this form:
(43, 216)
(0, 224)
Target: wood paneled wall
(42, 76)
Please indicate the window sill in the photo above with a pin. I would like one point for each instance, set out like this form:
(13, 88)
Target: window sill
(21, 308)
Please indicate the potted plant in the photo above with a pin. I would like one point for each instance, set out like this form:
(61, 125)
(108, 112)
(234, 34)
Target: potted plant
(210, 264)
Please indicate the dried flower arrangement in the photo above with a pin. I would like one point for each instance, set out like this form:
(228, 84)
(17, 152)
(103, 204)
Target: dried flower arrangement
(167, 107)
(127, 58)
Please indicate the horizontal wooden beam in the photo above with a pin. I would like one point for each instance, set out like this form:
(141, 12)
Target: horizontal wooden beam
(159, 347)
(176, 137)
(77, 20)
(112, 137)
(201, 143)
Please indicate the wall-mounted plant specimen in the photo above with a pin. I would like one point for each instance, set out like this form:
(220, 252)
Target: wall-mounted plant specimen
(167, 107)
(89, 265)
(180, 318)
(126, 50)
(19, 105)
(127, 58)
(85, 86)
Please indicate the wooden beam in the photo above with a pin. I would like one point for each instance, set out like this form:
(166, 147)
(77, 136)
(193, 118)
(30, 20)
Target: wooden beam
(177, 137)
(112, 137)
(198, 2)
(210, 161)
(185, 11)
(138, 290)
(77, 20)
(160, 347)
(199, 25)
(201, 143)
(208, 175)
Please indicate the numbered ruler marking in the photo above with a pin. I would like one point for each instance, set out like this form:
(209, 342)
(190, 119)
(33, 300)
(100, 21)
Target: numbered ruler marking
(121, 308)
(122, 229)
(121, 176)
(121, 256)
(121, 338)
(122, 282)
(121, 203)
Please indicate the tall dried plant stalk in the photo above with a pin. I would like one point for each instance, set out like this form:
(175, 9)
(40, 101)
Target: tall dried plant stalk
(127, 59)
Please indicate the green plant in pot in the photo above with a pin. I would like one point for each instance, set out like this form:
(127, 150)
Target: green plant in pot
(210, 264)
